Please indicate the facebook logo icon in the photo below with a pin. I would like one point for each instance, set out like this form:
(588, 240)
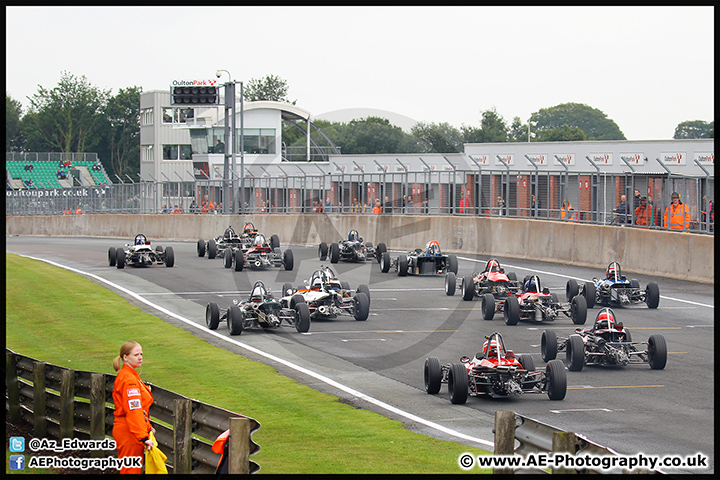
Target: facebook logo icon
(17, 462)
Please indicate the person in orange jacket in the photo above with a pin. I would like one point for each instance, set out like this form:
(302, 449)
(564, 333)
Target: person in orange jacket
(132, 397)
(677, 215)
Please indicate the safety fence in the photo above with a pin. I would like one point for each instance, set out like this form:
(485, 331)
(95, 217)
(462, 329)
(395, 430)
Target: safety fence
(63, 403)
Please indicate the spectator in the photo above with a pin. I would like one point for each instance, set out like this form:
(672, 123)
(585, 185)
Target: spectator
(653, 213)
(534, 205)
(424, 207)
(708, 213)
(164, 209)
(193, 207)
(641, 213)
(377, 208)
(501, 209)
(328, 205)
(410, 205)
(566, 210)
(464, 203)
(207, 206)
(263, 207)
(387, 206)
(621, 211)
(677, 215)
(219, 147)
(636, 200)
(355, 207)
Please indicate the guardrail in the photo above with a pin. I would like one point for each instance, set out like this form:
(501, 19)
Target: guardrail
(64, 403)
(537, 437)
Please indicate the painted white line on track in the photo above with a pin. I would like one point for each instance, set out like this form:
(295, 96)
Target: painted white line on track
(317, 376)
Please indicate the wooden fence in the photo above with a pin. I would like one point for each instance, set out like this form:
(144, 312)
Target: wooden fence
(64, 403)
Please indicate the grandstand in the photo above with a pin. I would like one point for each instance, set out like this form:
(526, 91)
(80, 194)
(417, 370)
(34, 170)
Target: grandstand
(80, 170)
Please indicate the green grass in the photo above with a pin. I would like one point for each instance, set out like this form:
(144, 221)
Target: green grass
(62, 318)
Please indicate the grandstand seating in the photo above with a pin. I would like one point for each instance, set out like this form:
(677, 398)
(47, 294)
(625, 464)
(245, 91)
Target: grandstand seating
(44, 173)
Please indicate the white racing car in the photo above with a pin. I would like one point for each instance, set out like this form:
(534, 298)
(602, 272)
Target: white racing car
(140, 254)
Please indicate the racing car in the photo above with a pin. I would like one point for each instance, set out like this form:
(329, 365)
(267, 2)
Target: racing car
(614, 290)
(216, 247)
(496, 372)
(607, 343)
(260, 255)
(261, 309)
(537, 304)
(493, 285)
(139, 254)
(328, 297)
(353, 249)
(430, 261)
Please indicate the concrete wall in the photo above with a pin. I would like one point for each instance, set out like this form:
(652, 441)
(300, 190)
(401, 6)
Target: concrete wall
(685, 256)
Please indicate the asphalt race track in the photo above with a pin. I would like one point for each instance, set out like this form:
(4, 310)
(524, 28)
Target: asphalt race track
(378, 364)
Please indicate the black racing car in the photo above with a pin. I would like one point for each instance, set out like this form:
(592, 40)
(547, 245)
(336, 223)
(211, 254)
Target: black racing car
(260, 255)
(354, 249)
(430, 261)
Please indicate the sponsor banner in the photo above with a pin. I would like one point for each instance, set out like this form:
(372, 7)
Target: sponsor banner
(508, 158)
(633, 158)
(601, 158)
(705, 158)
(482, 159)
(673, 158)
(76, 192)
(566, 158)
(540, 159)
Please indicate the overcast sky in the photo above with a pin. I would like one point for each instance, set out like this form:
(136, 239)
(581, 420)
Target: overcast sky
(646, 68)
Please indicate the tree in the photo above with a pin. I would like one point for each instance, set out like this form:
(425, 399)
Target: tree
(14, 140)
(590, 120)
(121, 140)
(271, 88)
(67, 118)
(518, 131)
(438, 137)
(695, 129)
(492, 129)
(562, 134)
(372, 135)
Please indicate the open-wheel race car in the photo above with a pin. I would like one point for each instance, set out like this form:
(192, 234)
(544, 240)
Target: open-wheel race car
(215, 247)
(140, 254)
(354, 249)
(259, 255)
(261, 310)
(497, 372)
(327, 297)
(537, 304)
(614, 290)
(493, 285)
(606, 343)
(430, 261)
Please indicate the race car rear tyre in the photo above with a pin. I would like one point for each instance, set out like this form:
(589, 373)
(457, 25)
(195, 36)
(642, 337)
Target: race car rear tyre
(235, 319)
(111, 256)
(228, 258)
(239, 260)
(120, 258)
(571, 289)
(488, 306)
(468, 288)
(302, 322)
(379, 251)
(512, 277)
(385, 262)
(344, 285)
(296, 299)
(432, 372)
(362, 307)
(628, 337)
(579, 310)
(527, 362)
(212, 249)
(169, 257)
(159, 249)
(201, 248)
(402, 265)
(212, 316)
(322, 251)
(556, 380)
(511, 312)
(452, 265)
(458, 383)
(334, 253)
(450, 284)
(634, 283)
(286, 289)
(589, 292)
(657, 351)
(288, 259)
(548, 345)
(274, 241)
(575, 353)
(652, 295)
(364, 289)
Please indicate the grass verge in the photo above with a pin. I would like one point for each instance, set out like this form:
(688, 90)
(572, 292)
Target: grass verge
(63, 318)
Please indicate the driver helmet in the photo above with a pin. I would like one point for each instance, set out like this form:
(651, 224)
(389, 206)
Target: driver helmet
(492, 265)
(493, 346)
(433, 247)
(258, 292)
(248, 228)
(259, 240)
(605, 319)
(229, 232)
(533, 284)
(140, 239)
(613, 270)
(353, 235)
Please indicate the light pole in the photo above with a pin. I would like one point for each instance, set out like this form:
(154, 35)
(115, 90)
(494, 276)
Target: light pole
(230, 131)
(529, 124)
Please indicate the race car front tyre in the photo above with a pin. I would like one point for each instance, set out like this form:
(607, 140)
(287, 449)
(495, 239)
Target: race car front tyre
(657, 351)
(274, 241)
(201, 248)
(111, 256)
(287, 289)
(302, 322)
(452, 263)
(556, 380)
(385, 262)
(228, 257)
(364, 289)
(432, 372)
(468, 288)
(548, 345)
(571, 289)
(362, 307)
(511, 312)
(450, 284)
(120, 258)
(334, 253)
(212, 249)
(402, 265)
(575, 353)
(288, 259)
(235, 320)
(652, 295)
(322, 251)
(458, 383)
(589, 292)
(239, 260)
(379, 250)
(578, 310)
(488, 306)
(212, 316)
(169, 257)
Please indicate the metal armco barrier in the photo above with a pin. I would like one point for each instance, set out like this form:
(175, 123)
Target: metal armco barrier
(185, 428)
(537, 437)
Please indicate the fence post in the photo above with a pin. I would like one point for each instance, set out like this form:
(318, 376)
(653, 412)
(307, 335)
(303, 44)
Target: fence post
(182, 435)
(97, 410)
(67, 403)
(504, 437)
(13, 389)
(39, 400)
(239, 447)
(563, 442)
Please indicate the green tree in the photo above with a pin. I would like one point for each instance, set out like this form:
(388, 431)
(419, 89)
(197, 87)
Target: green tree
(271, 88)
(14, 140)
(67, 118)
(438, 137)
(492, 129)
(562, 134)
(695, 129)
(372, 135)
(518, 131)
(120, 147)
(590, 120)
